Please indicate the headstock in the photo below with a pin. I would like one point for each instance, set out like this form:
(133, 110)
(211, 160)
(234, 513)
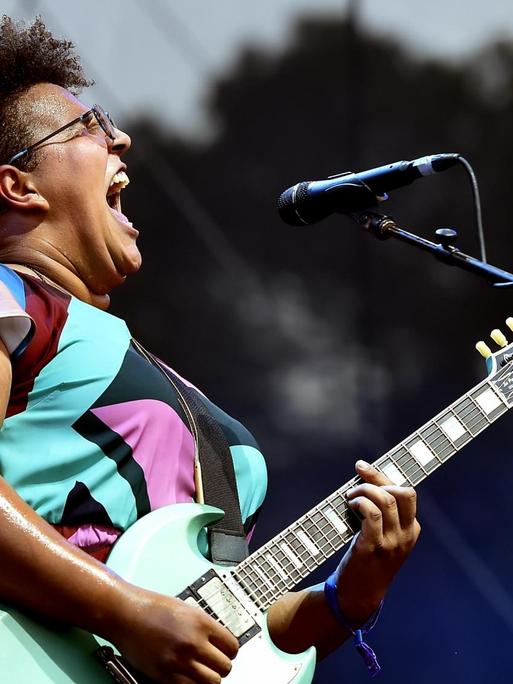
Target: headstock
(499, 364)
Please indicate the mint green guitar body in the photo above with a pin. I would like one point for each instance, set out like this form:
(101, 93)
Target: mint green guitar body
(161, 552)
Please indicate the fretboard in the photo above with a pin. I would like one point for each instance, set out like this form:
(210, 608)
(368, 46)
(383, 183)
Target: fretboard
(294, 553)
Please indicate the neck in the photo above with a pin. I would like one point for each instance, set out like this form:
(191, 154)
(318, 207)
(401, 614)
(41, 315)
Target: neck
(32, 245)
(59, 276)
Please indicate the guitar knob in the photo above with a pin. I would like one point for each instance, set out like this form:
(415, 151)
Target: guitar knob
(483, 349)
(499, 338)
(509, 322)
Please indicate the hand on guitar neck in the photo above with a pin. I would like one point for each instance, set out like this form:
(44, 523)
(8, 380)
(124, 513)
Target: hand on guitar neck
(388, 534)
(389, 531)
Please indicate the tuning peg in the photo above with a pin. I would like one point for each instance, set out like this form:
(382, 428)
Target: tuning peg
(483, 349)
(509, 322)
(499, 338)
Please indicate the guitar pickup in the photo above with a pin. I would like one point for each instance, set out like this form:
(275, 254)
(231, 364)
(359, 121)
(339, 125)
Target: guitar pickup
(211, 594)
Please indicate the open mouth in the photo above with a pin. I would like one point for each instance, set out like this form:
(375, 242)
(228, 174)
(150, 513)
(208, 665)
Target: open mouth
(119, 181)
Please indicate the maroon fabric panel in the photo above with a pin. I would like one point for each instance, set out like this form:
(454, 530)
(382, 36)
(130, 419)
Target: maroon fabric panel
(48, 308)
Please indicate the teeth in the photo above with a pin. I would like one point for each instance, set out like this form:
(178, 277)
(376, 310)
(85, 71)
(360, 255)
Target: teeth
(120, 179)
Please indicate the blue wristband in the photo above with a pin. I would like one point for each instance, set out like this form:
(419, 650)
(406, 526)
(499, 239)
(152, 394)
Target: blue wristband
(366, 652)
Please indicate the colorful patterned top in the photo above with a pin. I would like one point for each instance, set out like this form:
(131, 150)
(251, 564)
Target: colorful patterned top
(94, 436)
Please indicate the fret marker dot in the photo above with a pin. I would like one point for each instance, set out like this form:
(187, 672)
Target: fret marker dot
(337, 523)
(453, 428)
(488, 401)
(393, 473)
(421, 452)
(308, 543)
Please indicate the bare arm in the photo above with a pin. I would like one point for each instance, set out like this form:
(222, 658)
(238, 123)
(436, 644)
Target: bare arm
(389, 532)
(45, 574)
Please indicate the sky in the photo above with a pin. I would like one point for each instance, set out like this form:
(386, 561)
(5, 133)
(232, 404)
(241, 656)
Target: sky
(157, 57)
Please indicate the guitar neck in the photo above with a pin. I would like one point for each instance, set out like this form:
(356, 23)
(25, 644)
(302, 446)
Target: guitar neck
(294, 553)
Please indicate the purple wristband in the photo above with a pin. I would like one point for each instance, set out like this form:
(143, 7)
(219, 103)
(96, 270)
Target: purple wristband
(366, 652)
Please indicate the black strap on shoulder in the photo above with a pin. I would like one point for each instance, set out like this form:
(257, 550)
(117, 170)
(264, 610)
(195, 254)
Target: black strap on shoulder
(228, 544)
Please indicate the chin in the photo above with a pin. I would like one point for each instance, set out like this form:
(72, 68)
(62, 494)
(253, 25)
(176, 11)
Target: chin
(135, 260)
(130, 262)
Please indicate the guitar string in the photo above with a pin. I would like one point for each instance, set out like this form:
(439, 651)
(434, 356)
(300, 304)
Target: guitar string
(427, 432)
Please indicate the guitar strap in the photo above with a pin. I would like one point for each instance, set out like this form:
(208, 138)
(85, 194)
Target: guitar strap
(227, 539)
(228, 544)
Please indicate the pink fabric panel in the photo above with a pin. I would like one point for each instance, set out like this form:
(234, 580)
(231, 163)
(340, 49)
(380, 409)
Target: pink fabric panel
(161, 444)
(15, 323)
(93, 536)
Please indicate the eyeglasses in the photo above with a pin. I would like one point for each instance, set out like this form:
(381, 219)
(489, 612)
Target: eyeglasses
(102, 117)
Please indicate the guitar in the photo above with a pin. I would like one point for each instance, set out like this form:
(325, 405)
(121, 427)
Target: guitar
(164, 552)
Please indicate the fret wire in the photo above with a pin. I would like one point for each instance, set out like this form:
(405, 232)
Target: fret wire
(303, 553)
(306, 556)
(413, 460)
(266, 579)
(477, 416)
(443, 436)
(439, 438)
(466, 410)
(497, 392)
(326, 524)
(413, 465)
(303, 571)
(291, 568)
(305, 550)
(320, 542)
(261, 590)
(337, 541)
(338, 534)
(310, 520)
(450, 408)
(442, 442)
(475, 407)
(454, 448)
(462, 417)
(273, 573)
(250, 589)
(274, 550)
(480, 409)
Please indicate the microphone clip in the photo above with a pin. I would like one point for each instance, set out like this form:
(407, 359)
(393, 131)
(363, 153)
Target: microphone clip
(384, 227)
(380, 225)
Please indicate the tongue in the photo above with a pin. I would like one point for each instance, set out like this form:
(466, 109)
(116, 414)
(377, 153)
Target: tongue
(120, 216)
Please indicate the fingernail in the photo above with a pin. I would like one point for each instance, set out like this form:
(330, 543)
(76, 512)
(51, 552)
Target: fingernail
(349, 492)
(362, 465)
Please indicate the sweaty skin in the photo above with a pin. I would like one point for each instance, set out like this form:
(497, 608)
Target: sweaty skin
(56, 219)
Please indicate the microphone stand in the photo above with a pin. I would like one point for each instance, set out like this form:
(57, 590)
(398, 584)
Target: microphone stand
(384, 227)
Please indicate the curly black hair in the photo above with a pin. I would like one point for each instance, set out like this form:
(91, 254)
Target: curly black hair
(30, 54)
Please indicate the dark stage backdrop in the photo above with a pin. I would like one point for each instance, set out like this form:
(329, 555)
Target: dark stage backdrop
(331, 345)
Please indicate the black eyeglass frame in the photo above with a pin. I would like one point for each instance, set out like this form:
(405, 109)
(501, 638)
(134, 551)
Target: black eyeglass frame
(102, 117)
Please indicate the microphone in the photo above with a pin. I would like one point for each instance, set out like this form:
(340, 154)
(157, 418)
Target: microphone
(346, 193)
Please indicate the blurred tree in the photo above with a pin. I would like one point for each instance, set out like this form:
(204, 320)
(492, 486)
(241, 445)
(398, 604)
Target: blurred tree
(301, 305)
(330, 344)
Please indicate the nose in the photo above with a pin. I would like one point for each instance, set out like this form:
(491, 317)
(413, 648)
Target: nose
(121, 142)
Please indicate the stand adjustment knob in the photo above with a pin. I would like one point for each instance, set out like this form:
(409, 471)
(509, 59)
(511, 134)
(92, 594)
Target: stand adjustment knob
(447, 237)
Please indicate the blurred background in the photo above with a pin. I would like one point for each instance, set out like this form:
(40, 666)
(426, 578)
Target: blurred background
(328, 344)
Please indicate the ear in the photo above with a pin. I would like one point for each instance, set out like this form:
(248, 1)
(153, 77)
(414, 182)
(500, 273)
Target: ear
(18, 190)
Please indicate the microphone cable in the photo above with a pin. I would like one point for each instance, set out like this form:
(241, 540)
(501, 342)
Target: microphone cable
(477, 205)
